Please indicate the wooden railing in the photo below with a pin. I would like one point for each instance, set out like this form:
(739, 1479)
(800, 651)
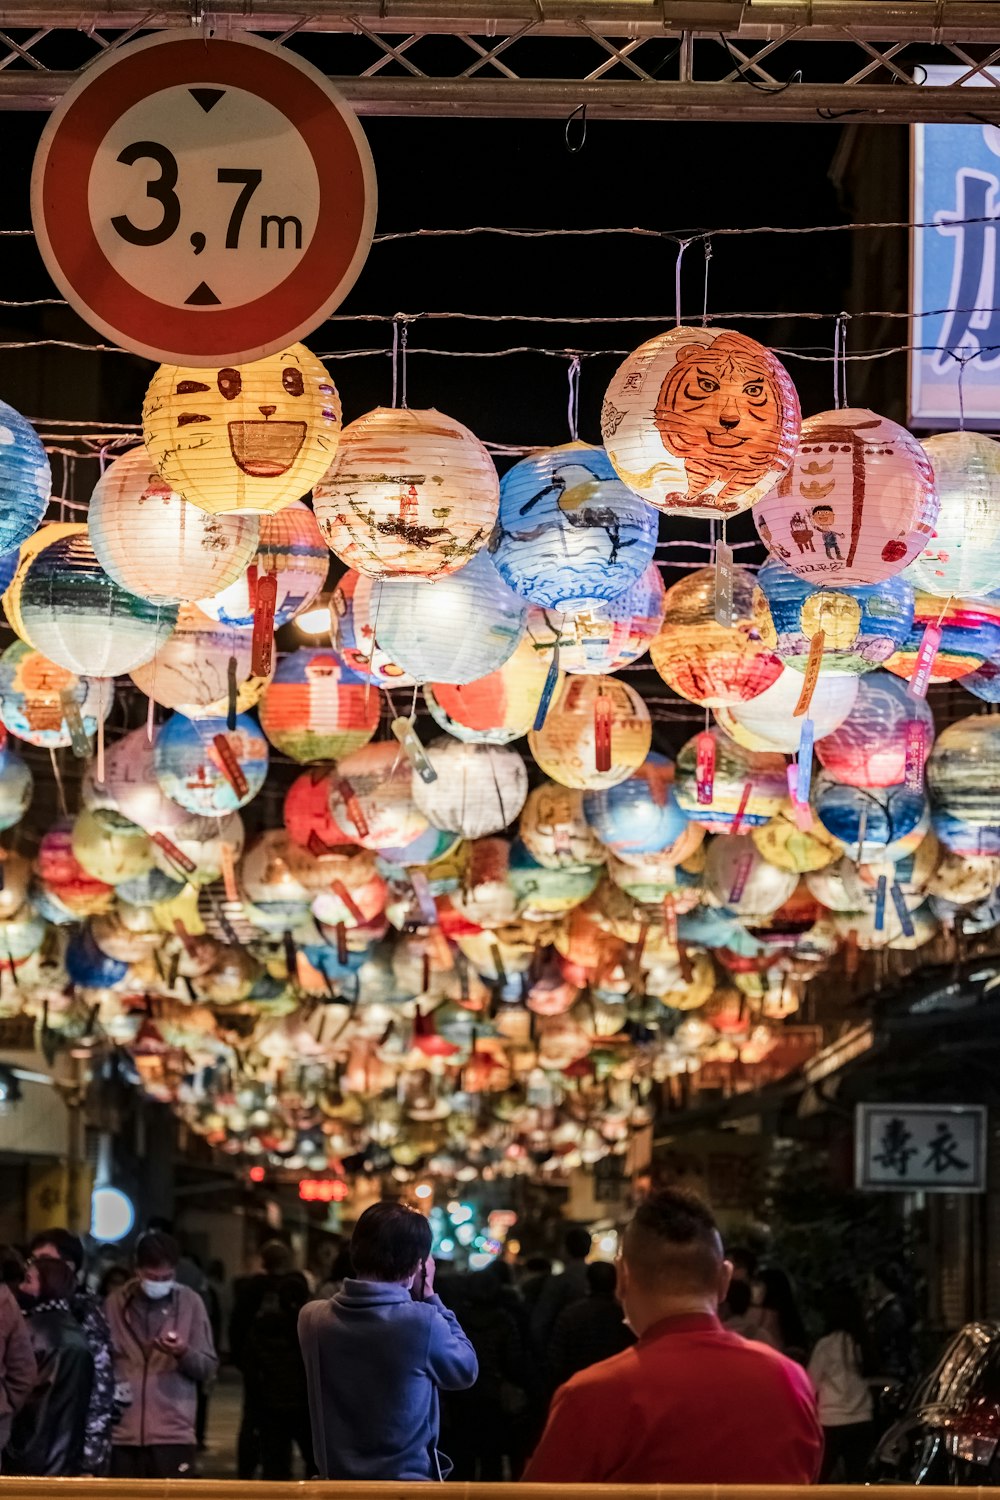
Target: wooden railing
(12, 1488)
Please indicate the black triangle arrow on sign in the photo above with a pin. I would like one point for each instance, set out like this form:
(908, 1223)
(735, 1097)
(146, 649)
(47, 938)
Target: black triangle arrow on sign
(202, 296)
(207, 98)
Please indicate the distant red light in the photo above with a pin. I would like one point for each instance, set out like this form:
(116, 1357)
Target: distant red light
(323, 1190)
(257, 1174)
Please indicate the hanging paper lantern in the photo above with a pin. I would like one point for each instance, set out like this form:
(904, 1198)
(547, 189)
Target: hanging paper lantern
(486, 896)
(869, 937)
(569, 533)
(769, 721)
(545, 891)
(701, 421)
(704, 661)
(413, 494)
(248, 438)
(861, 626)
(650, 878)
(606, 637)
(970, 636)
(43, 538)
(962, 556)
(196, 773)
(150, 887)
(866, 820)
(16, 872)
(455, 629)
(743, 881)
(984, 682)
(190, 671)
(25, 479)
(110, 855)
(870, 747)
(206, 843)
(291, 548)
(371, 798)
(88, 966)
(68, 608)
(352, 615)
(735, 770)
(640, 815)
(479, 790)
(16, 787)
(31, 701)
(857, 504)
(784, 843)
(307, 809)
(317, 708)
(129, 795)
(496, 709)
(279, 877)
(21, 938)
(964, 786)
(156, 544)
(61, 873)
(566, 747)
(554, 830)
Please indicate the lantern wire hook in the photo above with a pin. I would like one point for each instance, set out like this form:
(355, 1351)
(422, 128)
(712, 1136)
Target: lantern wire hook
(681, 247)
(840, 362)
(400, 333)
(707, 247)
(573, 147)
(573, 400)
(963, 360)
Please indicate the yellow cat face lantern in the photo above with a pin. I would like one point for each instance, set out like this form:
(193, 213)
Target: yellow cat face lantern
(249, 438)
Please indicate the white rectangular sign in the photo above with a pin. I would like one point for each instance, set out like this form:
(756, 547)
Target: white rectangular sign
(920, 1148)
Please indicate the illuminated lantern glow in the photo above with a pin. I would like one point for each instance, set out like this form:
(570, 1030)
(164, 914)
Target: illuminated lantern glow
(769, 721)
(413, 494)
(21, 937)
(964, 786)
(249, 438)
(278, 875)
(566, 746)
(479, 790)
(970, 636)
(741, 880)
(61, 873)
(868, 821)
(189, 766)
(129, 794)
(857, 505)
(291, 548)
(869, 748)
(317, 708)
(544, 891)
(77, 616)
(25, 479)
(44, 537)
(554, 830)
(641, 814)
(701, 421)
(31, 704)
(16, 788)
(486, 896)
(88, 966)
(307, 809)
(353, 625)
(862, 626)
(373, 788)
(569, 533)
(496, 709)
(453, 630)
(961, 559)
(783, 843)
(891, 935)
(984, 682)
(667, 980)
(606, 637)
(190, 671)
(735, 769)
(704, 661)
(203, 841)
(649, 878)
(158, 545)
(110, 855)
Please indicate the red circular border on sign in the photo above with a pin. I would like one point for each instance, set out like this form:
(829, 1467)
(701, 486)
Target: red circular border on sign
(66, 180)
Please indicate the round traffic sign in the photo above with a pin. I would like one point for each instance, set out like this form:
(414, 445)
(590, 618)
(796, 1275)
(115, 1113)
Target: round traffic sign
(204, 202)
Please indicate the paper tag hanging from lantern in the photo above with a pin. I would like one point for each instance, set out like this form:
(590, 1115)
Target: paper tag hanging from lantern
(923, 667)
(265, 603)
(340, 890)
(73, 716)
(815, 660)
(230, 766)
(547, 690)
(916, 754)
(803, 778)
(176, 856)
(723, 584)
(425, 900)
(902, 912)
(741, 809)
(405, 732)
(352, 804)
(880, 894)
(229, 873)
(705, 768)
(740, 877)
(232, 693)
(602, 732)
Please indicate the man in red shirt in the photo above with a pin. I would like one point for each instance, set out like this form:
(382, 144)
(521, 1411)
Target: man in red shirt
(690, 1403)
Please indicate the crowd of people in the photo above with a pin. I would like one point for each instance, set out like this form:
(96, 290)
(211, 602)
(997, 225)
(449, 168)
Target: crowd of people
(679, 1363)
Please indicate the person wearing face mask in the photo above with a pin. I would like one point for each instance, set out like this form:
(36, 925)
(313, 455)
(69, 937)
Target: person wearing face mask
(163, 1347)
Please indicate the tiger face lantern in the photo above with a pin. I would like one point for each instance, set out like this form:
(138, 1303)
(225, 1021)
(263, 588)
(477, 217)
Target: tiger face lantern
(701, 421)
(250, 438)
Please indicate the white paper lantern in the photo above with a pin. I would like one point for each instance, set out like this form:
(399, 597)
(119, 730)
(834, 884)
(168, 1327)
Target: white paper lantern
(962, 558)
(769, 722)
(739, 877)
(190, 672)
(479, 790)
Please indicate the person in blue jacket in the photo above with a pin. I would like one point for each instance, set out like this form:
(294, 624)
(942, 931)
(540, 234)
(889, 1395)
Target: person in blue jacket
(378, 1353)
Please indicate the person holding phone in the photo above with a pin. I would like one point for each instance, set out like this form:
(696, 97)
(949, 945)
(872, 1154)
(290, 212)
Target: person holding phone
(378, 1353)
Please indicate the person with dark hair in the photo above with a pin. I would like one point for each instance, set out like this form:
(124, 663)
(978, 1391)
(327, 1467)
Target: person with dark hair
(777, 1313)
(49, 1433)
(249, 1295)
(837, 1370)
(891, 1338)
(163, 1347)
(691, 1403)
(60, 1244)
(17, 1360)
(740, 1317)
(112, 1277)
(276, 1379)
(378, 1353)
(592, 1330)
(561, 1291)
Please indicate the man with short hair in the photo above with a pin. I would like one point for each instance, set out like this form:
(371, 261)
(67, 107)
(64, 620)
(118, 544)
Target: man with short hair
(162, 1348)
(691, 1403)
(378, 1353)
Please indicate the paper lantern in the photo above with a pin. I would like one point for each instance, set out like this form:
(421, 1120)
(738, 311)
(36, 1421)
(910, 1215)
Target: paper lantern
(317, 708)
(569, 533)
(158, 545)
(984, 682)
(371, 798)
(251, 438)
(307, 809)
(203, 842)
(61, 873)
(679, 986)
(16, 871)
(857, 504)
(21, 938)
(869, 748)
(16, 787)
(352, 616)
(868, 937)
(964, 786)
(862, 626)
(566, 746)
(151, 886)
(68, 608)
(190, 671)
(478, 791)
(129, 795)
(555, 832)
(704, 661)
(649, 878)
(701, 421)
(88, 966)
(291, 548)
(606, 637)
(496, 709)
(546, 891)
(784, 843)
(970, 636)
(741, 880)
(866, 820)
(413, 494)
(454, 629)
(31, 702)
(192, 770)
(735, 769)
(769, 721)
(110, 855)
(963, 555)
(25, 479)
(640, 815)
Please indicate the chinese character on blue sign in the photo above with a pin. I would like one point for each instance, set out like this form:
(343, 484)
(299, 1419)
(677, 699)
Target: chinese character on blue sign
(955, 283)
(921, 1148)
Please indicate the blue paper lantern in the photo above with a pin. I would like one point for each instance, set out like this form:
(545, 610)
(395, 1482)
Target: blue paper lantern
(150, 887)
(569, 532)
(984, 683)
(89, 966)
(25, 480)
(869, 748)
(964, 786)
(546, 891)
(862, 626)
(868, 821)
(640, 815)
(189, 764)
(16, 786)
